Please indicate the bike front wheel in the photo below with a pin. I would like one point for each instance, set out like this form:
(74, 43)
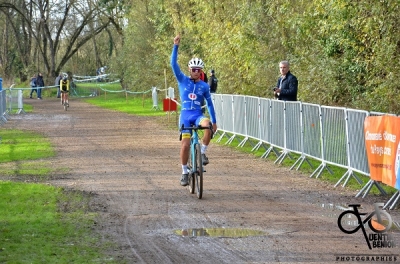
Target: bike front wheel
(191, 173)
(198, 173)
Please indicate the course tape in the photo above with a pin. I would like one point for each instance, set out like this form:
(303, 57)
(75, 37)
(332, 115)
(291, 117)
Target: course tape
(89, 79)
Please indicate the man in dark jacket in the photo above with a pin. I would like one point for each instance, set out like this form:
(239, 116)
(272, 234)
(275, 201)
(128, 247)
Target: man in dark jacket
(286, 88)
(213, 82)
(39, 85)
(33, 86)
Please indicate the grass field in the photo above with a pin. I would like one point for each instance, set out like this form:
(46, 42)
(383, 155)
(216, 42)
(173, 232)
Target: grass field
(35, 228)
(41, 223)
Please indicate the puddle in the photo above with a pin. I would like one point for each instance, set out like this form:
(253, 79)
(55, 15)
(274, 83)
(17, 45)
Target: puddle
(219, 232)
(332, 210)
(335, 207)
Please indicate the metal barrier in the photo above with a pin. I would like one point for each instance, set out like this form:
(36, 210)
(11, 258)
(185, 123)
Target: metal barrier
(3, 108)
(330, 135)
(14, 101)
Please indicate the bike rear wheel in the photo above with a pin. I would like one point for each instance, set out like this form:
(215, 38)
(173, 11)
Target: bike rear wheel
(198, 174)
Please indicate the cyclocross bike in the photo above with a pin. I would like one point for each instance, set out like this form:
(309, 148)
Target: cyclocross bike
(64, 99)
(195, 163)
(66, 105)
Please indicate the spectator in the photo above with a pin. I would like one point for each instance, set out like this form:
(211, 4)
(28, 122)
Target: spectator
(286, 88)
(39, 85)
(213, 82)
(33, 86)
(57, 83)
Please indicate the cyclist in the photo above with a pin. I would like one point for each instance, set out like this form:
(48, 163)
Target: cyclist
(64, 89)
(192, 91)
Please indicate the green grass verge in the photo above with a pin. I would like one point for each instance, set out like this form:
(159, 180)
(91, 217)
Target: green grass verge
(41, 223)
(132, 104)
(23, 145)
(44, 224)
(23, 155)
(112, 96)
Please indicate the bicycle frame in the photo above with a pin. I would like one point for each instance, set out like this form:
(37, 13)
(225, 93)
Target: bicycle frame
(194, 139)
(195, 163)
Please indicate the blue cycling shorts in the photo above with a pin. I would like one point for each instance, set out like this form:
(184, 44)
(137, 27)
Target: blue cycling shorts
(190, 117)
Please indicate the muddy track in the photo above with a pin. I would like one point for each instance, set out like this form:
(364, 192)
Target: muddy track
(131, 167)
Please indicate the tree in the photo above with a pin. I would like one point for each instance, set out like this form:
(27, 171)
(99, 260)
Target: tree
(58, 29)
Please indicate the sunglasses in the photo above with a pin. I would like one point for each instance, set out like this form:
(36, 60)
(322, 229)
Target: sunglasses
(195, 69)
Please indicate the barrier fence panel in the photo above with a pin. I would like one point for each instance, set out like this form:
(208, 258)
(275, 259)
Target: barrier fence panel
(228, 113)
(293, 127)
(223, 111)
(278, 123)
(357, 150)
(3, 108)
(20, 102)
(253, 117)
(265, 121)
(355, 137)
(12, 100)
(218, 101)
(334, 135)
(239, 114)
(292, 130)
(333, 139)
(312, 137)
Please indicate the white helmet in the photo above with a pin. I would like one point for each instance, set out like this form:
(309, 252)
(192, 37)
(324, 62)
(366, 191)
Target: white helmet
(196, 63)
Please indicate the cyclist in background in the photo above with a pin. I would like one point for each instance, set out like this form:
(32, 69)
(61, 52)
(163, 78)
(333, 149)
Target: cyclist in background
(192, 91)
(64, 89)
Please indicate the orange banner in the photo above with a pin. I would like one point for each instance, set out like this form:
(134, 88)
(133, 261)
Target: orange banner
(382, 143)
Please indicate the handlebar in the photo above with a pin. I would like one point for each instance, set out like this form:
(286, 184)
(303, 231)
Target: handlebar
(195, 128)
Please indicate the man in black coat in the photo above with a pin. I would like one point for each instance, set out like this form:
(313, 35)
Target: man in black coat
(39, 85)
(286, 88)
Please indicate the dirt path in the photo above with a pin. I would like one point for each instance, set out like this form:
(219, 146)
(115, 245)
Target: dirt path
(131, 166)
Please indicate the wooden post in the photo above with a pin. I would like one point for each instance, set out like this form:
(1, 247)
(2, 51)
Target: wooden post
(166, 93)
(165, 79)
